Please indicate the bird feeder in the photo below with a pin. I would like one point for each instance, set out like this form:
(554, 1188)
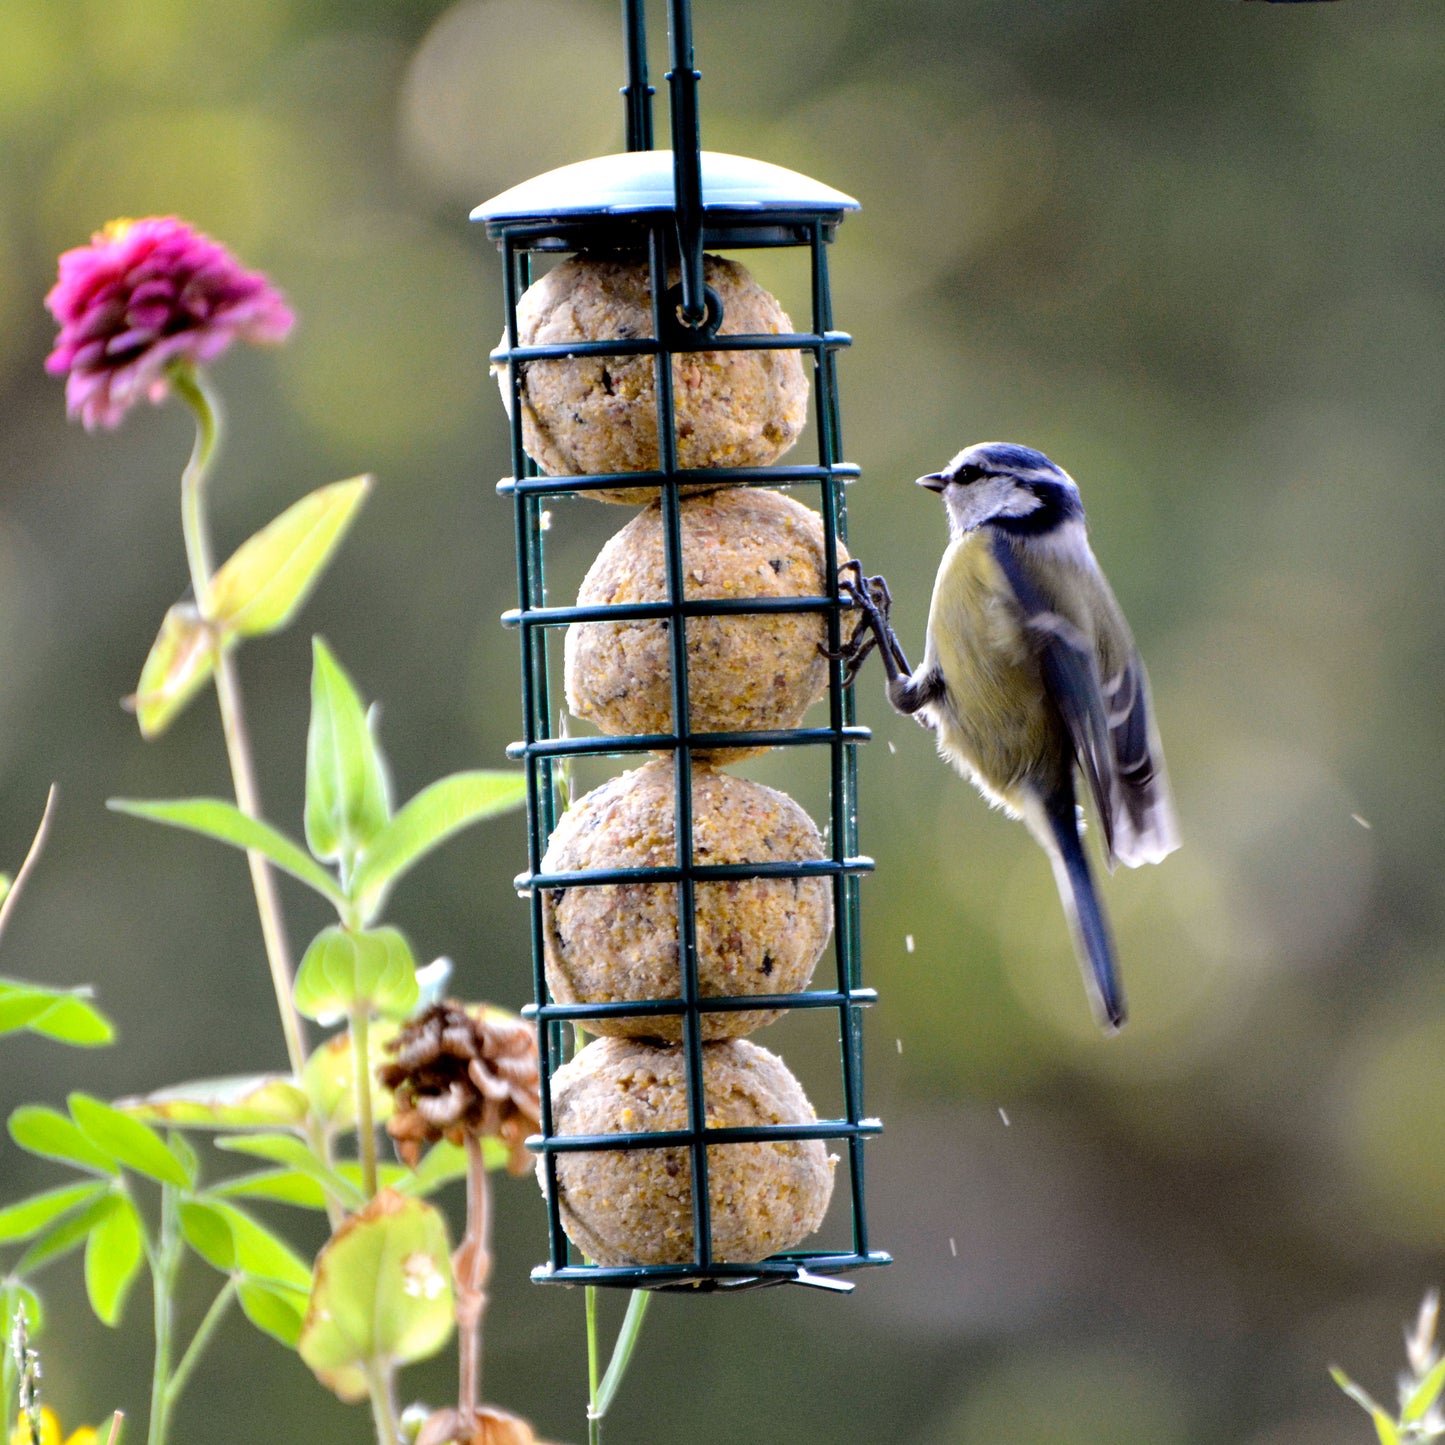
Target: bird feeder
(669, 209)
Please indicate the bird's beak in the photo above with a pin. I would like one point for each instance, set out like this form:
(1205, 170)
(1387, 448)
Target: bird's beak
(934, 481)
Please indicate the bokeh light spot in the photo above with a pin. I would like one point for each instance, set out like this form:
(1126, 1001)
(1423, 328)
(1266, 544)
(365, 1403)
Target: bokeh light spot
(1088, 1398)
(501, 90)
(234, 173)
(390, 355)
(1394, 1125)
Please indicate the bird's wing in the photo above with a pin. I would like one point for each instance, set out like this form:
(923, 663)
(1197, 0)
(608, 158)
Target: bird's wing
(1070, 668)
(1093, 673)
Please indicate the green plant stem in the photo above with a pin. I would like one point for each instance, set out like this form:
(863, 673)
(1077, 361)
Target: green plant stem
(627, 1338)
(594, 1417)
(165, 1259)
(199, 1341)
(361, 1084)
(191, 386)
(31, 857)
(194, 529)
(383, 1405)
(601, 1395)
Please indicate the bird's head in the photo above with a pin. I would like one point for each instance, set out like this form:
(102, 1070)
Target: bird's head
(1012, 487)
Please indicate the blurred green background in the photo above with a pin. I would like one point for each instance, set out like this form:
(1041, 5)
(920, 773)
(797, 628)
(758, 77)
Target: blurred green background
(1191, 251)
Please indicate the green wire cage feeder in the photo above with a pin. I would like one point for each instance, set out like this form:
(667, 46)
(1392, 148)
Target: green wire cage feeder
(667, 210)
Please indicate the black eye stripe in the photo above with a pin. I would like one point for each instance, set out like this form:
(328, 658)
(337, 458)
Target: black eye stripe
(971, 473)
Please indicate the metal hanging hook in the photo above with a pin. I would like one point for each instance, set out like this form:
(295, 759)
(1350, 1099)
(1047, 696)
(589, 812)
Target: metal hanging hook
(637, 93)
(696, 308)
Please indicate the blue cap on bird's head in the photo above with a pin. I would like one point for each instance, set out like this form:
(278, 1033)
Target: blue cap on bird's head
(1002, 459)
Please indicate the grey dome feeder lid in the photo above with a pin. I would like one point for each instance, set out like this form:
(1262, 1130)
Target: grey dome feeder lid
(637, 183)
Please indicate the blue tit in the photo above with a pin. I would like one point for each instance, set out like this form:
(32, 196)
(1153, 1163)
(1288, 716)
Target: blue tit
(1029, 672)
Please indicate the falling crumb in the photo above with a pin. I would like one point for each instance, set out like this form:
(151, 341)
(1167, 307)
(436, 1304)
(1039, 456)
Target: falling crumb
(545, 521)
(953, 1246)
(899, 1042)
(1363, 822)
(1003, 1116)
(891, 748)
(908, 942)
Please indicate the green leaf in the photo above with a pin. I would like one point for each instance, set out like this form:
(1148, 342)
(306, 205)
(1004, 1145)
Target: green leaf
(246, 1101)
(622, 1351)
(128, 1141)
(329, 1077)
(383, 1293)
(230, 1239)
(1353, 1391)
(260, 1254)
(27, 1218)
(72, 1020)
(225, 822)
(437, 812)
(274, 1309)
(444, 1162)
(1385, 1429)
(47, 1132)
(347, 793)
(180, 1146)
(180, 662)
(289, 1186)
(1427, 1392)
(290, 1151)
(113, 1255)
(21, 1004)
(283, 1186)
(64, 1235)
(208, 1232)
(60, 1014)
(261, 586)
(371, 969)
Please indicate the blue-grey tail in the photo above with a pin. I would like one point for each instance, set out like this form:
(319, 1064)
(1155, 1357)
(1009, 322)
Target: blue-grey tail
(1087, 923)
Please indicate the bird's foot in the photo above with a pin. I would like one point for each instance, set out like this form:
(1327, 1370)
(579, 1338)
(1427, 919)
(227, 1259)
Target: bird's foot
(872, 597)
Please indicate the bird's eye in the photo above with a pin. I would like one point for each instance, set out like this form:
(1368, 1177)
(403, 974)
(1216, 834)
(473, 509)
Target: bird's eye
(971, 473)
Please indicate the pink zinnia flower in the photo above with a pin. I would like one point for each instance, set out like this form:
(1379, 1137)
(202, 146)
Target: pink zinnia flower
(144, 294)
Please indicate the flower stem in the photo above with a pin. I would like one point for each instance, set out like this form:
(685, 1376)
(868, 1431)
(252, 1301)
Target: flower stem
(627, 1338)
(199, 1340)
(594, 1419)
(600, 1396)
(165, 1261)
(471, 1264)
(191, 386)
(31, 857)
(361, 1085)
(379, 1386)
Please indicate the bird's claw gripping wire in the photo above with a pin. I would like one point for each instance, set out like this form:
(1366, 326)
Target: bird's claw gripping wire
(872, 597)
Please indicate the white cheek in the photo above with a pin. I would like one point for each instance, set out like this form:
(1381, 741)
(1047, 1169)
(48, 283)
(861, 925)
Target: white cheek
(1069, 541)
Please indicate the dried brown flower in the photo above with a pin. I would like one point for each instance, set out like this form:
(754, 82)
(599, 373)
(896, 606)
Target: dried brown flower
(488, 1426)
(463, 1071)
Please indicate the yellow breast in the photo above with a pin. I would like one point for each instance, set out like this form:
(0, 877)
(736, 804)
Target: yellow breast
(994, 723)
